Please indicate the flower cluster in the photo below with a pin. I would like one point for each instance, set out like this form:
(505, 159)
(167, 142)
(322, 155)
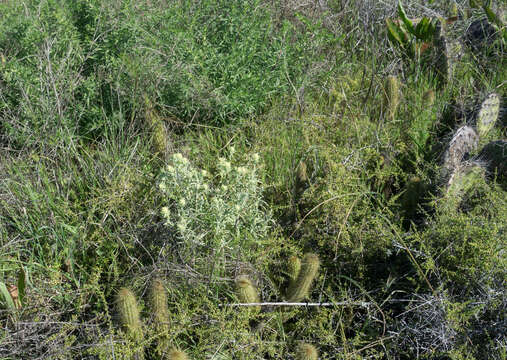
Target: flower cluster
(224, 212)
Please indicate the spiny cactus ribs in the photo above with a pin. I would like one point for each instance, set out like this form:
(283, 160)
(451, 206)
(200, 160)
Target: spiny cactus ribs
(129, 313)
(177, 355)
(247, 293)
(307, 352)
(129, 318)
(158, 301)
(293, 268)
(301, 287)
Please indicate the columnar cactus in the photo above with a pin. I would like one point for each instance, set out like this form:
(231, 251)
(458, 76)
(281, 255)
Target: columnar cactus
(307, 352)
(129, 313)
(177, 355)
(158, 301)
(391, 96)
(129, 317)
(247, 293)
(301, 287)
(293, 268)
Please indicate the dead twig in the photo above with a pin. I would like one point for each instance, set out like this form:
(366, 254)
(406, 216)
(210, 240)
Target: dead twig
(342, 303)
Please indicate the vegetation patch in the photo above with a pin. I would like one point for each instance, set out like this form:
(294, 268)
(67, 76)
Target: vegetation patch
(252, 179)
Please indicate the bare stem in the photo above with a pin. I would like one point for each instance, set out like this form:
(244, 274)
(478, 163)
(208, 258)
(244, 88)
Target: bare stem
(343, 303)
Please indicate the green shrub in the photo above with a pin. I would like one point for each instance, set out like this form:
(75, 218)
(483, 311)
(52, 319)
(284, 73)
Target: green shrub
(220, 60)
(465, 238)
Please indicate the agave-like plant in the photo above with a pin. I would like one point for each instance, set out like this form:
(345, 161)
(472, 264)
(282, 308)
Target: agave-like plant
(412, 36)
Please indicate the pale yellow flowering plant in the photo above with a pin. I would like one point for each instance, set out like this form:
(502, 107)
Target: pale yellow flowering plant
(220, 213)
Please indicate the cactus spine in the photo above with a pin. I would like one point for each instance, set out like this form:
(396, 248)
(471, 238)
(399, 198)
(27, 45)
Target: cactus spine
(129, 313)
(129, 317)
(177, 355)
(247, 293)
(300, 288)
(392, 96)
(307, 352)
(464, 141)
(293, 268)
(158, 300)
(488, 114)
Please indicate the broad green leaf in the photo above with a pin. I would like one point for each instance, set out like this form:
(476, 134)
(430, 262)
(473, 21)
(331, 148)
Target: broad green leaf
(7, 297)
(394, 33)
(405, 19)
(21, 285)
(422, 28)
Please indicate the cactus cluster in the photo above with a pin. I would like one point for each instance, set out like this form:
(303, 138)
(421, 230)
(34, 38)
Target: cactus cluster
(466, 138)
(463, 175)
(415, 36)
(299, 289)
(301, 274)
(129, 317)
